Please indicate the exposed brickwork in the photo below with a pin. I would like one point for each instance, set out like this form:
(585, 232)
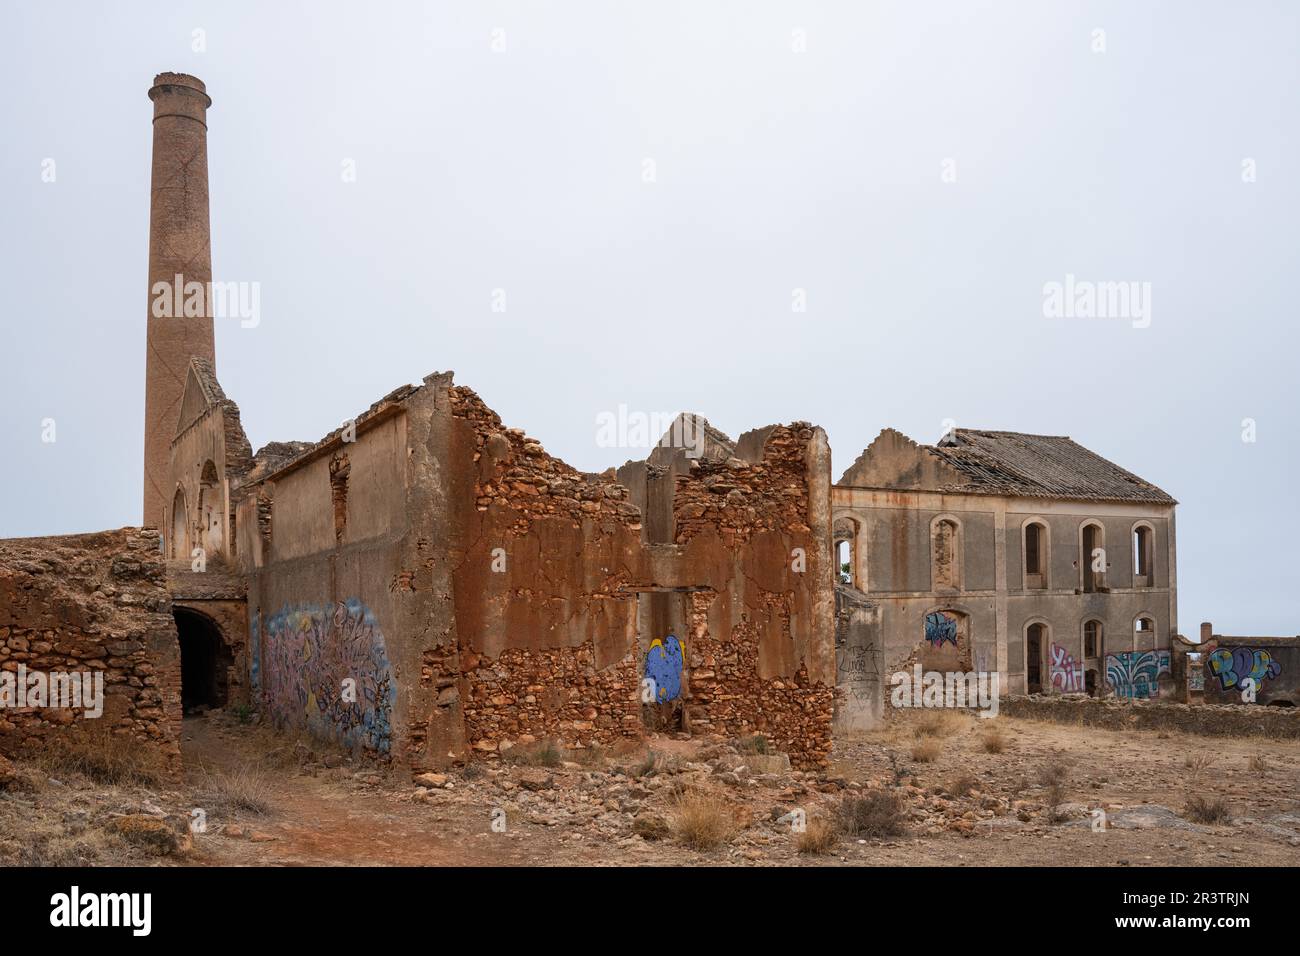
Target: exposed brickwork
(95, 602)
(728, 696)
(557, 693)
(740, 498)
(531, 482)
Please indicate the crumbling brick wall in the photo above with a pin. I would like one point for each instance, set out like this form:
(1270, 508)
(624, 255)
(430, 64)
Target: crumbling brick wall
(746, 672)
(87, 603)
(545, 626)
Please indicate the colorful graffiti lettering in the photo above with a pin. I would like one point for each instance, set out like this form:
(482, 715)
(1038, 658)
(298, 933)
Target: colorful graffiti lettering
(310, 652)
(1233, 665)
(940, 629)
(1064, 671)
(663, 665)
(1135, 675)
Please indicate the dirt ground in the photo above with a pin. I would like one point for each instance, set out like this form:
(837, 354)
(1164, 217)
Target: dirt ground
(269, 800)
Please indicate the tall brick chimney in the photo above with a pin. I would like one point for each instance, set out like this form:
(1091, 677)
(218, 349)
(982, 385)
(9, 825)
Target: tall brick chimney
(179, 244)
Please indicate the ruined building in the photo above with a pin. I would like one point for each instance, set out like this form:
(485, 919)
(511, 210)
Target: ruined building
(428, 585)
(1027, 555)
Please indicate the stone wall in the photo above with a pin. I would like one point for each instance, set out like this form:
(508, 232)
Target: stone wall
(1211, 720)
(92, 603)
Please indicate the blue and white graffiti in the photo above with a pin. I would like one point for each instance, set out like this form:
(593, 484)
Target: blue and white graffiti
(940, 629)
(663, 665)
(1135, 675)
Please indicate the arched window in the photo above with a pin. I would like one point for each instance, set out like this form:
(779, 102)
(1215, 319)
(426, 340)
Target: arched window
(1092, 557)
(1092, 639)
(945, 554)
(845, 534)
(1144, 633)
(1142, 556)
(1037, 559)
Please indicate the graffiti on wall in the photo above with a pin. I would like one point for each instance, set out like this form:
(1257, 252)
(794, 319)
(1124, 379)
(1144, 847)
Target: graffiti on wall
(1135, 675)
(940, 629)
(663, 665)
(327, 669)
(1064, 671)
(1232, 665)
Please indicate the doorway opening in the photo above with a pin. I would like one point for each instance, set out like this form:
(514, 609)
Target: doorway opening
(205, 662)
(1034, 658)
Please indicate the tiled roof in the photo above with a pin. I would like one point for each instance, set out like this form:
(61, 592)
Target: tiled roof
(1038, 466)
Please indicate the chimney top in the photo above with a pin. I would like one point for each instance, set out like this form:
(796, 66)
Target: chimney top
(181, 83)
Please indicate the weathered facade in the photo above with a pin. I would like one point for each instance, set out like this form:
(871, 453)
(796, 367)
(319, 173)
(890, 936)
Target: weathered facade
(1024, 555)
(427, 583)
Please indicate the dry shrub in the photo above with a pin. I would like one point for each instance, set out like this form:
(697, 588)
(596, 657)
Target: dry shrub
(962, 785)
(817, 838)
(1197, 762)
(1053, 776)
(878, 813)
(1203, 809)
(926, 750)
(938, 723)
(993, 740)
(94, 751)
(245, 790)
(702, 821)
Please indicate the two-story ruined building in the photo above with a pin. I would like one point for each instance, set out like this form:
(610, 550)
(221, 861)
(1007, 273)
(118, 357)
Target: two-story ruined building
(1027, 555)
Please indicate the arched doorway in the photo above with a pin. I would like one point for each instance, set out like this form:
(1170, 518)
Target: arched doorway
(180, 539)
(205, 661)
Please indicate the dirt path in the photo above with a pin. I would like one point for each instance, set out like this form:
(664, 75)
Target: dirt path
(318, 820)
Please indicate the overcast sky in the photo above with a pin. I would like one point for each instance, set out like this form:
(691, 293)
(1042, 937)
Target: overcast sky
(655, 187)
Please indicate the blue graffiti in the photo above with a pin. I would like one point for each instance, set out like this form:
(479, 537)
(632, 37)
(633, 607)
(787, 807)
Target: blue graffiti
(940, 629)
(663, 665)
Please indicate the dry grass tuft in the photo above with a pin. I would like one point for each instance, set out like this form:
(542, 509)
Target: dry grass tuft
(877, 814)
(246, 790)
(1197, 762)
(702, 821)
(939, 723)
(1203, 809)
(818, 837)
(962, 785)
(993, 740)
(94, 751)
(926, 750)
